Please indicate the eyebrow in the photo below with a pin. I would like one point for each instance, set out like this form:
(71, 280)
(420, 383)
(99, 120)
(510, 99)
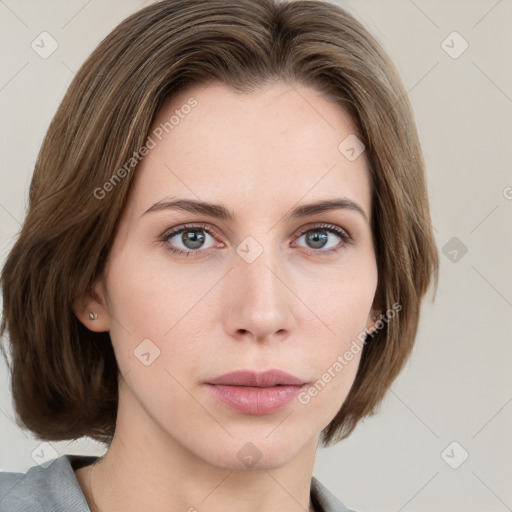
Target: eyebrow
(221, 212)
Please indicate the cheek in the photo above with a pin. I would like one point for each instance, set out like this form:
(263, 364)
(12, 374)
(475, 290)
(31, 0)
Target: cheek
(340, 302)
(341, 308)
(337, 345)
(150, 300)
(148, 318)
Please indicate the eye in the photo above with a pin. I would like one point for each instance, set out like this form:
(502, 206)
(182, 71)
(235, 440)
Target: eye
(192, 240)
(189, 240)
(325, 238)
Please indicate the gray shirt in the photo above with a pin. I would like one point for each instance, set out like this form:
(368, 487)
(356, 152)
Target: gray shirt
(55, 488)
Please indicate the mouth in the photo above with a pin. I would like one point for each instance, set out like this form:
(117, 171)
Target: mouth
(256, 393)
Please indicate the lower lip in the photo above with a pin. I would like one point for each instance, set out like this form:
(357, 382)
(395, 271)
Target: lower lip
(256, 401)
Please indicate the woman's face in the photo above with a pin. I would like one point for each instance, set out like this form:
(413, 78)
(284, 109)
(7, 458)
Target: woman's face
(259, 282)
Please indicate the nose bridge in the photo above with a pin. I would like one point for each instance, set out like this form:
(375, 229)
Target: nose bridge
(259, 300)
(261, 286)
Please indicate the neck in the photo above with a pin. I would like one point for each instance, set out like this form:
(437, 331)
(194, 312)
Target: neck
(145, 468)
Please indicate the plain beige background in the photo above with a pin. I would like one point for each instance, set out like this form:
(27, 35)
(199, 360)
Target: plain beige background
(454, 398)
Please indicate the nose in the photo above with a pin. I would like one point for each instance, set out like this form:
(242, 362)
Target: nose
(257, 302)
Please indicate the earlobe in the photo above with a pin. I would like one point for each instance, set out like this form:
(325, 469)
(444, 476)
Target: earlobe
(91, 310)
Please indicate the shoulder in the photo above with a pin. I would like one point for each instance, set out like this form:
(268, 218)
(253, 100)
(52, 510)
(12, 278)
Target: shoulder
(49, 487)
(324, 500)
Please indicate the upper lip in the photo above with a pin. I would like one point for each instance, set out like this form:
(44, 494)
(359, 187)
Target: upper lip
(258, 379)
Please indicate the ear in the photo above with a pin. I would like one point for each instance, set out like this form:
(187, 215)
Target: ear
(91, 309)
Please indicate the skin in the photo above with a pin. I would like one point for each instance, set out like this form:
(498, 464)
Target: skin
(294, 308)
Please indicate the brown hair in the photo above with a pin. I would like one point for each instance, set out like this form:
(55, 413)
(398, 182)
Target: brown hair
(64, 377)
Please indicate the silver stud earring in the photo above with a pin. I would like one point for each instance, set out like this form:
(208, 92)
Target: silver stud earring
(93, 316)
(374, 318)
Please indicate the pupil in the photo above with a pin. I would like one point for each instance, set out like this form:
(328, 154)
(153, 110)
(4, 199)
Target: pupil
(318, 238)
(193, 239)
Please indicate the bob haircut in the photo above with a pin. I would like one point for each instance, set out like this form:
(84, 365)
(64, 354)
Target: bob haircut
(64, 377)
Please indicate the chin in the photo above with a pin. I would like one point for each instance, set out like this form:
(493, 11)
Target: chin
(253, 451)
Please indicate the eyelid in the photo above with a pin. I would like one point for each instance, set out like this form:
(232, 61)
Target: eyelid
(341, 232)
(191, 226)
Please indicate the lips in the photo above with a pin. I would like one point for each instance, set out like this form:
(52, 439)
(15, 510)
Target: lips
(256, 393)
(258, 379)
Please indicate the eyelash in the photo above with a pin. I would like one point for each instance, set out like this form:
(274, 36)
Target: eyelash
(345, 237)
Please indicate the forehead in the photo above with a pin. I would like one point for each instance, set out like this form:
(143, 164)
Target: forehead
(276, 144)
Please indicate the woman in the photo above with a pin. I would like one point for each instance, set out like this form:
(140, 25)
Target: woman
(222, 265)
